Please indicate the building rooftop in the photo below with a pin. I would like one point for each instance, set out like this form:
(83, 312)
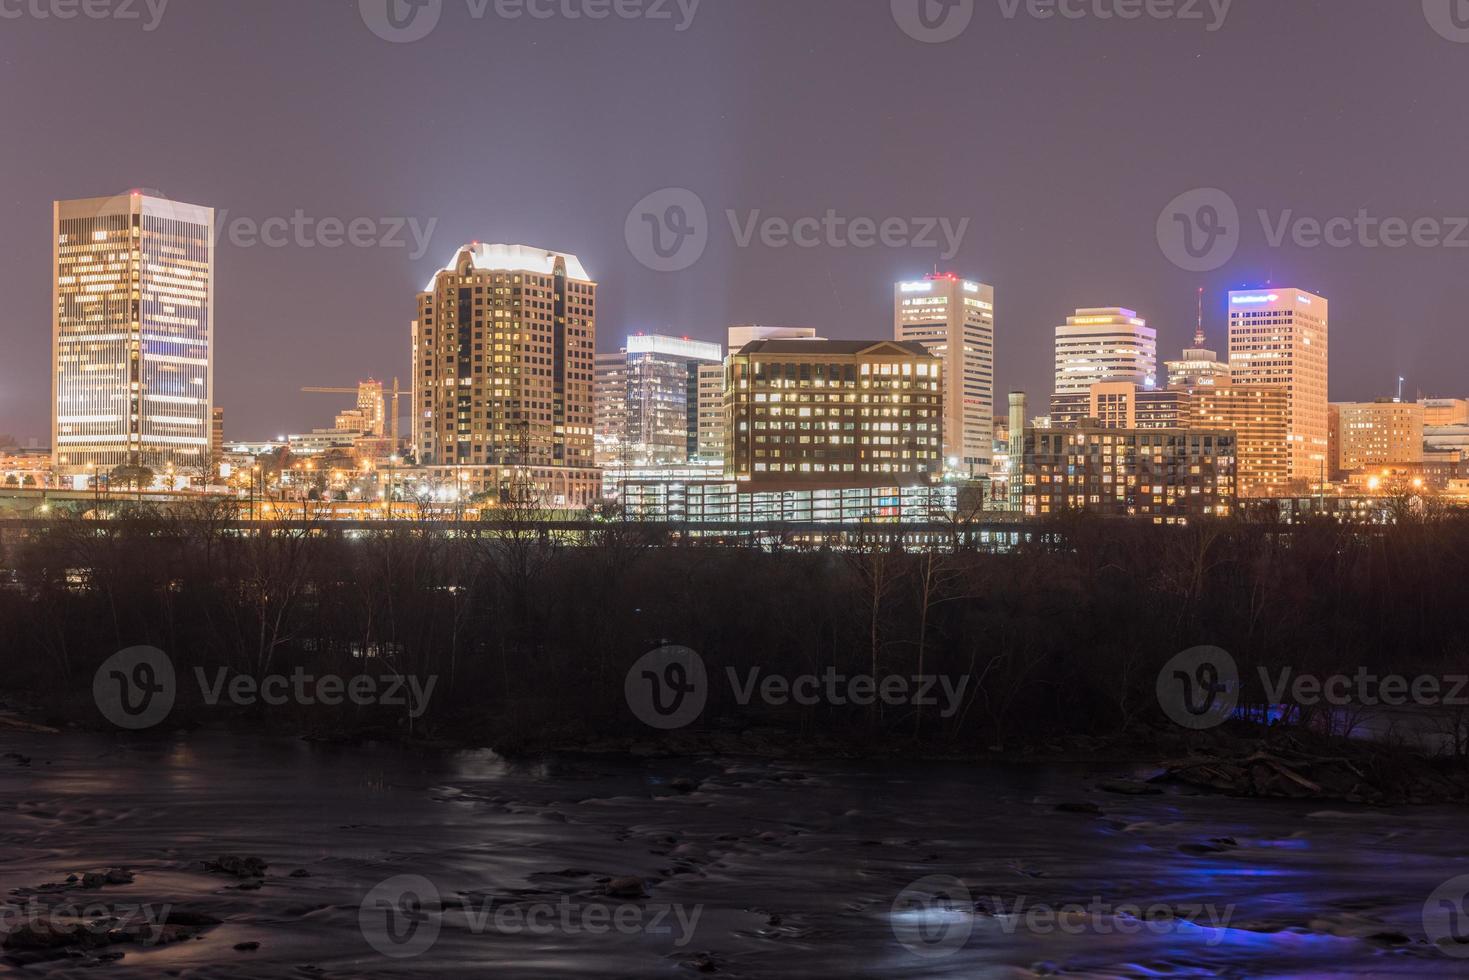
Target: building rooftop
(818, 347)
(515, 258)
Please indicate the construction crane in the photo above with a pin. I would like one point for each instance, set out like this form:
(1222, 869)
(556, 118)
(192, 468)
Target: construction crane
(396, 393)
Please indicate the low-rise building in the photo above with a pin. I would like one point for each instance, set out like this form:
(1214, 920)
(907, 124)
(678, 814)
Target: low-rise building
(1167, 475)
(808, 413)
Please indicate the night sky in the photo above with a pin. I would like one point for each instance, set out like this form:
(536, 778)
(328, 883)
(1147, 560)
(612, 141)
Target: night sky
(1060, 140)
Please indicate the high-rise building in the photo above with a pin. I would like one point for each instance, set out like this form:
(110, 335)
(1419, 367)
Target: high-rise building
(369, 415)
(132, 334)
(1105, 344)
(216, 439)
(1257, 415)
(955, 319)
(1385, 432)
(609, 408)
(648, 406)
(711, 413)
(504, 348)
(807, 413)
(1281, 337)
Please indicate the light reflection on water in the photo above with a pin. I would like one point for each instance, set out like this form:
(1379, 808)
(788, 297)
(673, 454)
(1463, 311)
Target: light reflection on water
(794, 869)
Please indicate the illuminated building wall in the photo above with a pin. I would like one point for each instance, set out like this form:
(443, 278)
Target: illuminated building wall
(1121, 405)
(503, 348)
(648, 409)
(1105, 344)
(808, 413)
(1280, 337)
(1257, 415)
(711, 412)
(954, 319)
(1380, 433)
(132, 334)
(1168, 475)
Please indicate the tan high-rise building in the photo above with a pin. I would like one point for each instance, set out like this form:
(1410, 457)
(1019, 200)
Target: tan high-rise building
(1281, 337)
(132, 334)
(1258, 416)
(1381, 433)
(835, 413)
(504, 349)
(954, 319)
(711, 413)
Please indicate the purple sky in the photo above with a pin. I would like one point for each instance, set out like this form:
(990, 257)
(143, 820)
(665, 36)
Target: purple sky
(1060, 140)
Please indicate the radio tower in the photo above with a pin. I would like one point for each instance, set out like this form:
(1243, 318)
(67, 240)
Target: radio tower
(1199, 333)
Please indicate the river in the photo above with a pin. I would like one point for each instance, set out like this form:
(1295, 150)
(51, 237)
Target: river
(750, 868)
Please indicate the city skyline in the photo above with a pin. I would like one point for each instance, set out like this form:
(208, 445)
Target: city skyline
(1045, 253)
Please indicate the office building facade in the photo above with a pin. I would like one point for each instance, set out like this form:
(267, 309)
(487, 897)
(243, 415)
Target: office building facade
(132, 335)
(954, 319)
(1105, 344)
(805, 413)
(1281, 337)
(504, 349)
